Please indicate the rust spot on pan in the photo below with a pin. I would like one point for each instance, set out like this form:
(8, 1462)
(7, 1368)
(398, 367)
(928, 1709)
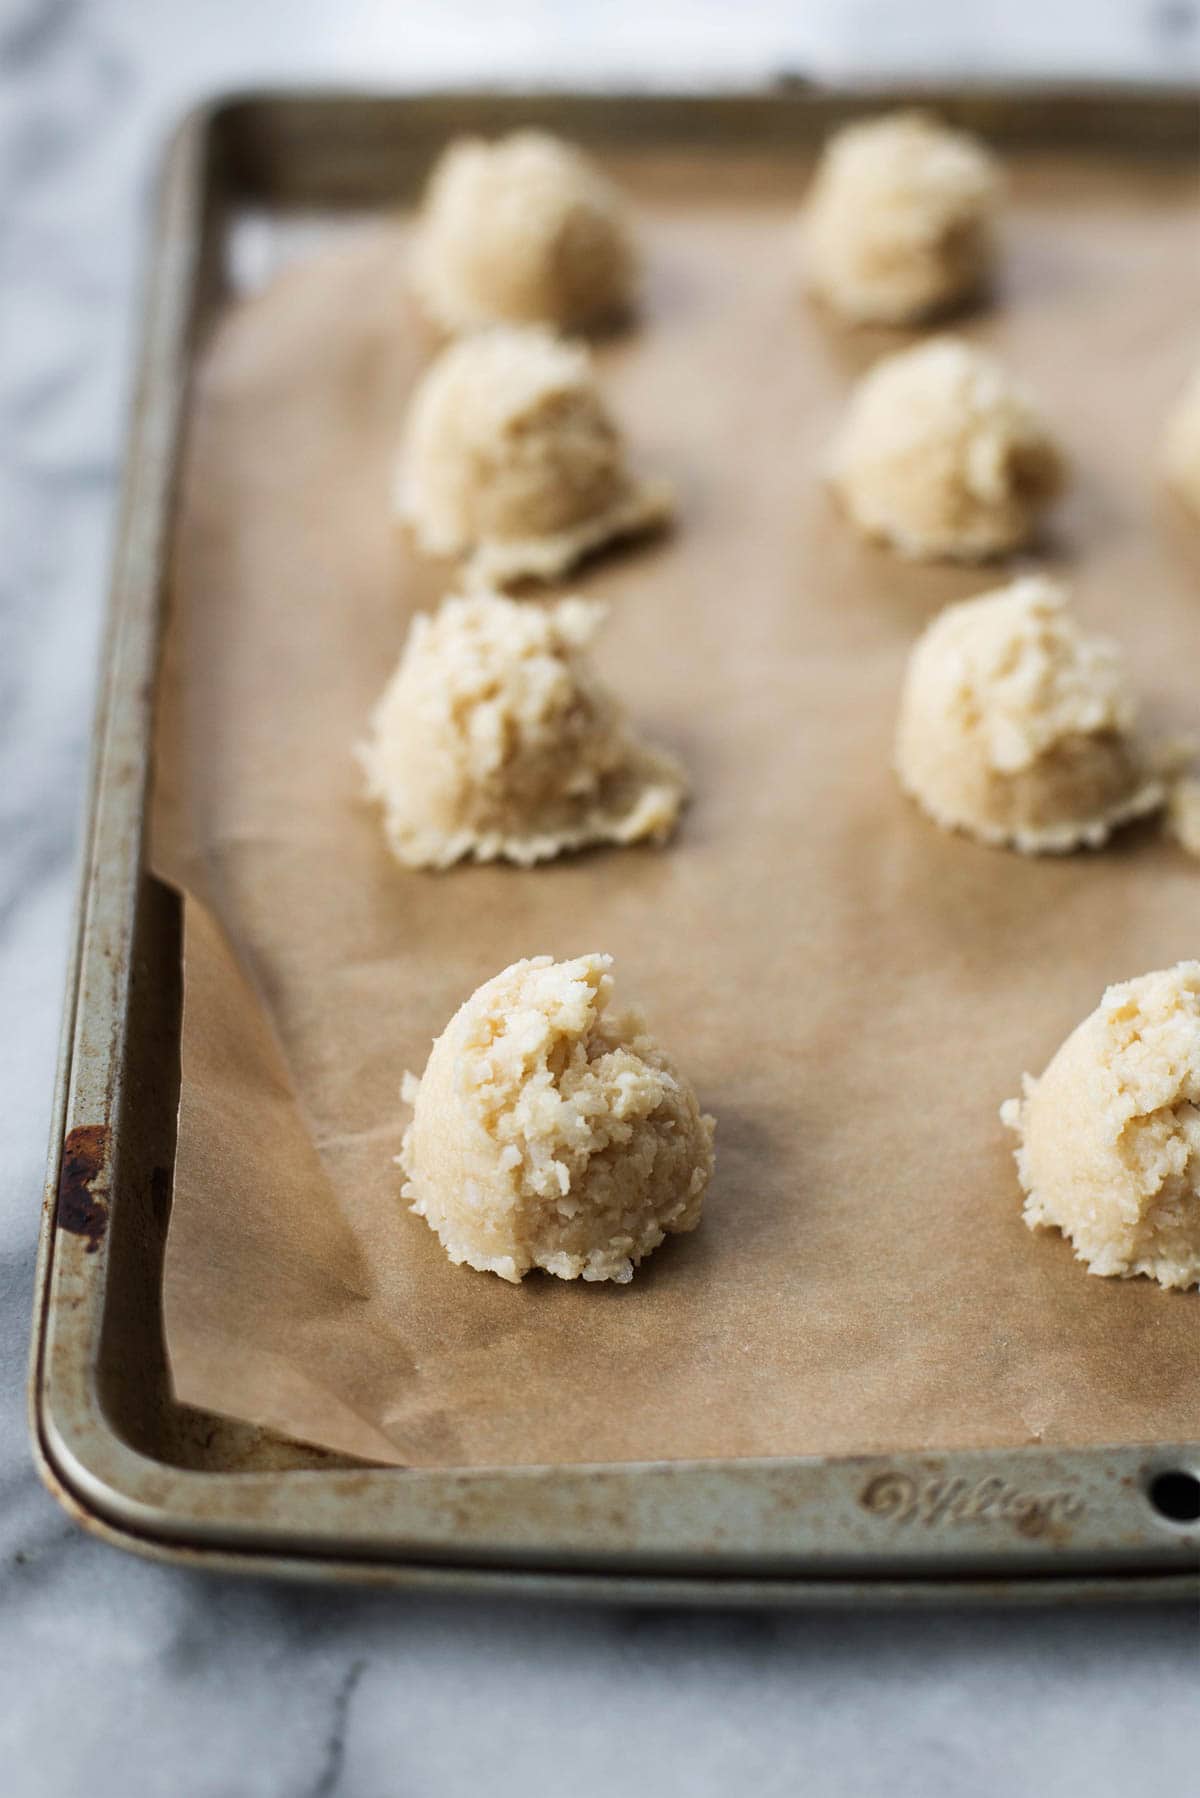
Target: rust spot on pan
(82, 1209)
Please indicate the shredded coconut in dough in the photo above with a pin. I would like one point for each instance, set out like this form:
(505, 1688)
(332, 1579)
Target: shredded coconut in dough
(944, 455)
(511, 456)
(900, 220)
(495, 739)
(525, 230)
(550, 1132)
(1109, 1147)
(1016, 726)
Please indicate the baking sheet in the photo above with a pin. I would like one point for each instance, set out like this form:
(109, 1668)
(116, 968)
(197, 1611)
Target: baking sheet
(852, 992)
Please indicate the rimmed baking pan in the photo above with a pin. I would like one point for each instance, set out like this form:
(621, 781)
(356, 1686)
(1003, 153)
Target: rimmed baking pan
(1007, 1522)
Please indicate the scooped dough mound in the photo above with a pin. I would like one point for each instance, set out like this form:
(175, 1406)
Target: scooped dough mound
(1110, 1135)
(900, 220)
(511, 456)
(1016, 727)
(525, 230)
(550, 1132)
(1181, 448)
(944, 455)
(1183, 813)
(495, 739)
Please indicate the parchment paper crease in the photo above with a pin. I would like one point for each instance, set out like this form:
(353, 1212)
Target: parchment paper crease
(852, 991)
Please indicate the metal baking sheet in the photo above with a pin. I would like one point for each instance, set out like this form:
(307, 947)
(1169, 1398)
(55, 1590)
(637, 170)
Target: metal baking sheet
(146, 1471)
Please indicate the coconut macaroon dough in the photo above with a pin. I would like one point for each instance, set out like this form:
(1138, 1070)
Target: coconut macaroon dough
(1183, 813)
(1016, 727)
(944, 456)
(549, 1131)
(525, 230)
(494, 739)
(511, 457)
(1181, 445)
(900, 219)
(1109, 1149)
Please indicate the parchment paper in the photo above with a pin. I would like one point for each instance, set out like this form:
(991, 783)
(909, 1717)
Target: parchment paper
(852, 991)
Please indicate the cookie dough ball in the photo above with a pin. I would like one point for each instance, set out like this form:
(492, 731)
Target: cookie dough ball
(900, 220)
(1181, 448)
(551, 1132)
(1109, 1148)
(495, 739)
(511, 456)
(523, 231)
(944, 456)
(1016, 727)
(1183, 813)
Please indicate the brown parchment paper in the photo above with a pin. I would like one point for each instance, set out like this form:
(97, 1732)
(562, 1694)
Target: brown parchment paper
(853, 992)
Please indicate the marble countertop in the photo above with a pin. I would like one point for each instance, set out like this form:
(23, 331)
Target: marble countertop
(118, 1676)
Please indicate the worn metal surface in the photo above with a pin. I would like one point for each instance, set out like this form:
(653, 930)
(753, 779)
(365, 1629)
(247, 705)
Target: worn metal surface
(1014, 1525)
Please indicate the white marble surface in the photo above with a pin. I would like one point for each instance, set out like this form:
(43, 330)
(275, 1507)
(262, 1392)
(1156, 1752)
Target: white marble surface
(120, 1677)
